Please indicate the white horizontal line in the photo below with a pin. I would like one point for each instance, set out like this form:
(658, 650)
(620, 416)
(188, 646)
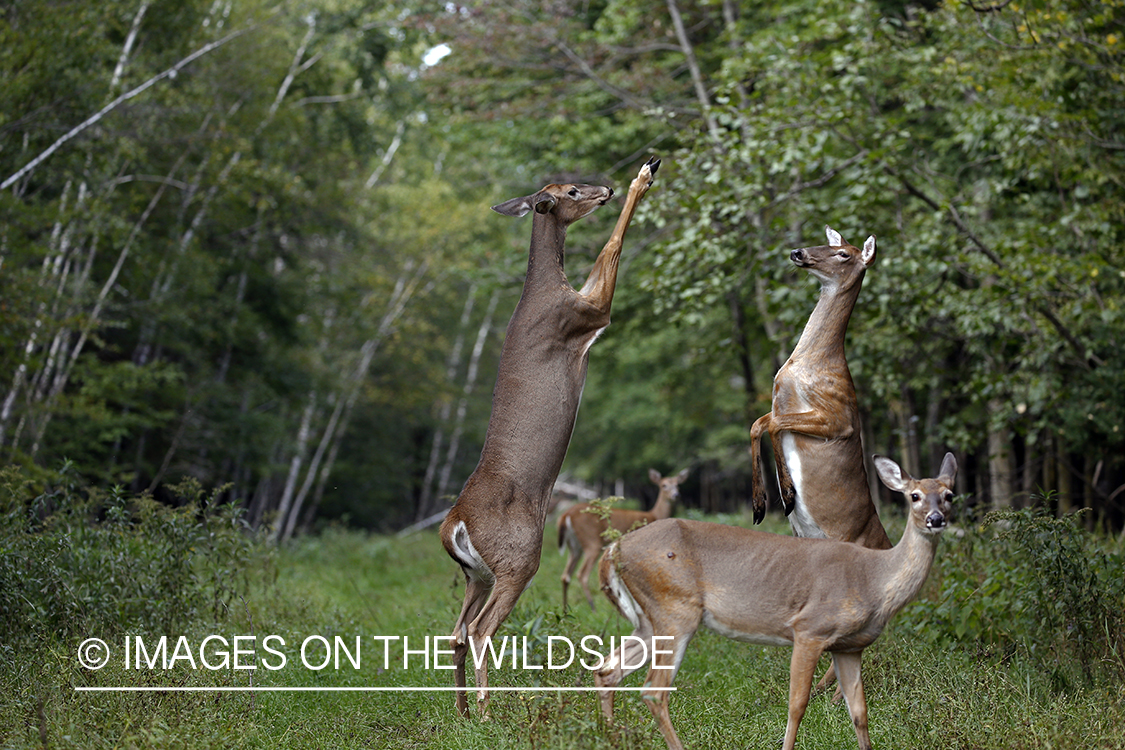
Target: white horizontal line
(230, 689)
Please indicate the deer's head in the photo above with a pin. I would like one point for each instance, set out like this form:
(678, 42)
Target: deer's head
(568, 203)
(930, 499)
(837, 263)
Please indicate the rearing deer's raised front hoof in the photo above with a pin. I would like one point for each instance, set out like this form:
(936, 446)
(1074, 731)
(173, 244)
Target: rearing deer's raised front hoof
(759, 505)
(789, 502)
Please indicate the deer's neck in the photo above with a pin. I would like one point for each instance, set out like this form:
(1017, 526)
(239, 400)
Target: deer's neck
(545, 258)
(907, 567)
(825, 330)
(663, 506)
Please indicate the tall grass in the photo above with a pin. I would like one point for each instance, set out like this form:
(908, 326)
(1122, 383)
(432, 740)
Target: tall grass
(1014, 643)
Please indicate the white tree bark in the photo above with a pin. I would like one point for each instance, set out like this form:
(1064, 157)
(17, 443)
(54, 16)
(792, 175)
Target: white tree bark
(426, 493)
(466, 391)
(94, 118)
(405, 286)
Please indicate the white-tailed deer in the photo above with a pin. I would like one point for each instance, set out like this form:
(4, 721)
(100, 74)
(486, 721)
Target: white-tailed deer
(814, 421)
(819, 595)
(581, 529)
(495, 530)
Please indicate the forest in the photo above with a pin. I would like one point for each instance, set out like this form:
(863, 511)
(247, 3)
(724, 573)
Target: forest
(248, 244)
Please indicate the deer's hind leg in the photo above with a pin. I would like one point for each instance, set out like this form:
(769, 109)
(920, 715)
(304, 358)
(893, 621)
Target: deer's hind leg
(476, 594)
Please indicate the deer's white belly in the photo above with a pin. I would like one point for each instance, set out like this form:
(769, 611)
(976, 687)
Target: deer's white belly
(755, 638)
(802, 523)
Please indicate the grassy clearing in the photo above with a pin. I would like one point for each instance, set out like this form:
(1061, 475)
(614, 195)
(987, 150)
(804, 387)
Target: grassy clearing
(923, 692)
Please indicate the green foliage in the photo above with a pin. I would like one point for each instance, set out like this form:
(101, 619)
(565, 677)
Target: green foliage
(602, 508)
(1025, 585)
(979, 144)
(75, 560)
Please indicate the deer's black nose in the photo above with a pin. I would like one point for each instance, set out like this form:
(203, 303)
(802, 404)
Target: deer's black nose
(797, 256)
(935, 521)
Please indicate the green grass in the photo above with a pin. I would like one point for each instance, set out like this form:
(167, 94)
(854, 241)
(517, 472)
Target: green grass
(921, 693)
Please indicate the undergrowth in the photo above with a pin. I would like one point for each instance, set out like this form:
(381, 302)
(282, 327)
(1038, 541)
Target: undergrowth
(1024, 584)
(76, 559)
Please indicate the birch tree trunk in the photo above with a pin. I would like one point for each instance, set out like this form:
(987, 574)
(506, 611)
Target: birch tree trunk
(97, 116)
(295, 462)
(404, 289)
(425, 496)
(94, 318)
(466, 391)
(696, 74)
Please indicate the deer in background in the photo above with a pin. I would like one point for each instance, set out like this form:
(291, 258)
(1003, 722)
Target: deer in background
(814, 423)
(820, 595)
(495, 529)
(580, 529)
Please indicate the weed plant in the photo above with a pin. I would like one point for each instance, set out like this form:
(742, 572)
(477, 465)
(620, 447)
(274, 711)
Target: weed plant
(77, 560)
(1024, 584)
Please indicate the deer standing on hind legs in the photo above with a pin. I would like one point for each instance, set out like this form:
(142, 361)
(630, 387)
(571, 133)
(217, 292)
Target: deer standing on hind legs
(819, 595)
(814, 421)
(495, 529)
(580, 529)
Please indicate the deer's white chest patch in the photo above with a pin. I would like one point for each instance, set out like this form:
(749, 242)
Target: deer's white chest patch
(590, 341)
(802, 523)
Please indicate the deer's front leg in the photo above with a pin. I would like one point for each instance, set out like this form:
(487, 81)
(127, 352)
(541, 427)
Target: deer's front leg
(599, 286)
(801, 668)
(757, 481)
(826, 424)
(785, 484)
(848, 666)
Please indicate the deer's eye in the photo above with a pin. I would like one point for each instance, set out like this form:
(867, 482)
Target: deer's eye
(843, 255)
(915, 497)
(573, 193)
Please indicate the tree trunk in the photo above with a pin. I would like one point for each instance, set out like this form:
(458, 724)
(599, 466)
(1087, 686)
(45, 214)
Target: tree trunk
(999, 458)
(404, 290)
(425, 496)
(294, 468)
(466, 391)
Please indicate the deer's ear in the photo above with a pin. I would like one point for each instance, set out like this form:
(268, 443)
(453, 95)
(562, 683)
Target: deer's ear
(544, 202)
(948, 471)
(515, 207)
(868, 255)
(834, 238)
(889, 472)
(654, 476)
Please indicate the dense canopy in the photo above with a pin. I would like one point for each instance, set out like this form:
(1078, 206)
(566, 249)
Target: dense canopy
(250, 242)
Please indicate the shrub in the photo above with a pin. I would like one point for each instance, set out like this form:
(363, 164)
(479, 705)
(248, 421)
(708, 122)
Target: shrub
(76, 559)
(1026, 583)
